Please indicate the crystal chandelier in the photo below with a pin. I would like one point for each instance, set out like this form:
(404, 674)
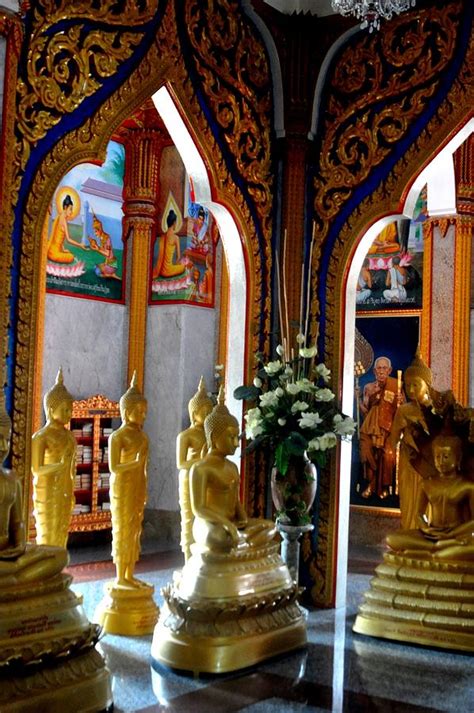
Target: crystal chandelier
(370, 11)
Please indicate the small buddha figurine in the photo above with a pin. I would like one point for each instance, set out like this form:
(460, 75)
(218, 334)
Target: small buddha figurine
(128, 458)
(220, 521)
(53, 465)
(19, 562)
(189, 449)
(444, 510)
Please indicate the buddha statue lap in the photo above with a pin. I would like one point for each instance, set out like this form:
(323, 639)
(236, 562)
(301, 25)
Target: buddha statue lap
(128, 607)
(41, 619)
(190, 445)
(53, 464)
(234, 603)
(423, 591)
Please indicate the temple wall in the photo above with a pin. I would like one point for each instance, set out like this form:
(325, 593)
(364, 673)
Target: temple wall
(442, 308)
(85, 337)
(180, 348)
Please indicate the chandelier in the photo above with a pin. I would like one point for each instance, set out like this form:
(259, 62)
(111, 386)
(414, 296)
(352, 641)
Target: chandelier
(370, 11)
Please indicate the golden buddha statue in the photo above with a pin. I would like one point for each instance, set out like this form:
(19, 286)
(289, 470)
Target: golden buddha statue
(189, 449)
(422, 591)
(53, 465)
(41, 619)
(444, 510)
(234, 602)
(128, 607)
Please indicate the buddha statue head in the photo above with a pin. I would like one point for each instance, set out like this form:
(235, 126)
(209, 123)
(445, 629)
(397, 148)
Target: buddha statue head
(221, 428)
(58, 402)
(5, 429)
(447, 453)
(133, 405)
(418, 380)
(200, 405)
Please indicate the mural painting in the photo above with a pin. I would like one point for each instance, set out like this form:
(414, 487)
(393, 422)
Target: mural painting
(183, 259)
(85, 251)
(392, 271)
(384, 348)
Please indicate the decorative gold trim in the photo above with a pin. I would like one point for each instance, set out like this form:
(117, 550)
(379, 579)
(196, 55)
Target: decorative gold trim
(366, 509)
(99, 402)
(390, 313)
(138, 306)
(462, 316)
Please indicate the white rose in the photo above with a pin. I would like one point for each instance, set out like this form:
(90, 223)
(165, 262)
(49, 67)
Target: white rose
(269, 399)
(323, 371)
(324, 395)
(273, 367)
(293, 389)
(282, 421)
(279, 392)
(308, 352)
(257, 382)
(300, 338)
(279, 350)
(305, 385)
(309, 420)
(327, 440)
(343, 426)
(299, 406)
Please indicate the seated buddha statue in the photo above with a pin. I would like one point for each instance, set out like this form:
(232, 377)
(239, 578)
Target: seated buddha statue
(221, 524)
(19, 563)
(190, 445)
(53, 464)
(234, 603)
(444, 509)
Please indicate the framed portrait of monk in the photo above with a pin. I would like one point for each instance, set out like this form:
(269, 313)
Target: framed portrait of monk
(384, 347)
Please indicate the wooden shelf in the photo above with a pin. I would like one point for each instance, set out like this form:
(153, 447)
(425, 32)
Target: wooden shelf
(102, 413)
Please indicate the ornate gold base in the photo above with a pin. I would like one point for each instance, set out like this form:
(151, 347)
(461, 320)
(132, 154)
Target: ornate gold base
(206, 636)
(80, 684)
(420, 601)
(42, 619)
(128, 612)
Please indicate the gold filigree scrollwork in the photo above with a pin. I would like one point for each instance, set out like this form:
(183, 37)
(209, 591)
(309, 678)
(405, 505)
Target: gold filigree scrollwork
(67, 64)
(235, 75)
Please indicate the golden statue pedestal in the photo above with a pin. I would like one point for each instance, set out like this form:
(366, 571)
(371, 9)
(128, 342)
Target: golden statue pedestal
(127, 611)
(420, 601)
(47, 655)
(227, 611)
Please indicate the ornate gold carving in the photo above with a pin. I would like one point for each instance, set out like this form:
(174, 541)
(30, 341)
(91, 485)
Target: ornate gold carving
(462, 294)
(331, 194)
(425, 331)
(163, 62)
(99, 402)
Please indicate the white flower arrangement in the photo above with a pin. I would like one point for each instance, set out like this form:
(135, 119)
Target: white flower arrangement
(295, 412)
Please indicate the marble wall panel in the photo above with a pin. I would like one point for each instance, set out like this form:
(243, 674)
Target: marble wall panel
(442, 309)
(85, 337)
(180, 347)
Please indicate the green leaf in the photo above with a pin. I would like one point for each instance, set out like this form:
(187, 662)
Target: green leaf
(282, 457)
(247, 393)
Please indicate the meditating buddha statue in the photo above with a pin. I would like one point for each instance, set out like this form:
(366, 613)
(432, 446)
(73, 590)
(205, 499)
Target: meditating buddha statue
(41, 620)
(444, 509)
(234, 602)
(53, 464)
(128, 607)
(189, 449)
(423, 590)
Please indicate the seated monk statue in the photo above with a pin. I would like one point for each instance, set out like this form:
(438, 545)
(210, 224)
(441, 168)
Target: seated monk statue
(447, 532)
(190, 447)
(53, 464)
(19, 563)
(128, 458)
(220, 521)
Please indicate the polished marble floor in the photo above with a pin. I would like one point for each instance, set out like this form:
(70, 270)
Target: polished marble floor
(338, 670)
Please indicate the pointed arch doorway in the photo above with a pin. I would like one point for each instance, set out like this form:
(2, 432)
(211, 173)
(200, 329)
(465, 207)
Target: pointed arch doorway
(438, 175)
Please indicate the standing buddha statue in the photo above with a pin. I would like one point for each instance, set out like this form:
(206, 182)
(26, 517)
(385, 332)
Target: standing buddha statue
(53, 465)
(128, 607)
(234, 603)
(190, 447)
